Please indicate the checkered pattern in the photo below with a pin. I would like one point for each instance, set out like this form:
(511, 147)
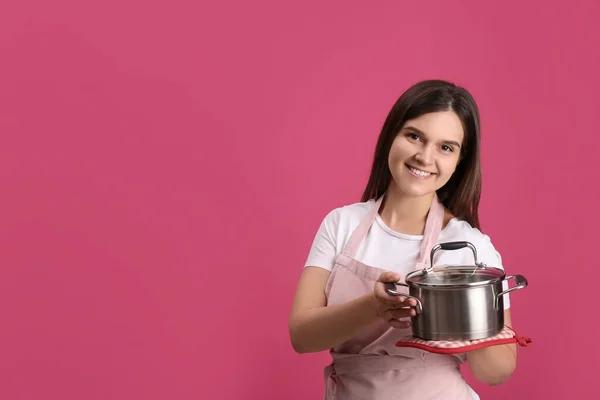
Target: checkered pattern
(505, 336)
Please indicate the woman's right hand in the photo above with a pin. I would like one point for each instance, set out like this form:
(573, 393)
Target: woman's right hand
(393, 308)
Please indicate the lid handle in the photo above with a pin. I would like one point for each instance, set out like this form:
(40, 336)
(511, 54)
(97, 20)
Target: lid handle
(453, 246)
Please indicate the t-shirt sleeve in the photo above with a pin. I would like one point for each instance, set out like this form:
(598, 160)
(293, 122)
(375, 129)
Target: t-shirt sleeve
(323, 250)
(489, 255)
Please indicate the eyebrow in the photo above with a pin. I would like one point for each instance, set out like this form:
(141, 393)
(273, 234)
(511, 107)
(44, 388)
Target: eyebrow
(412, 128)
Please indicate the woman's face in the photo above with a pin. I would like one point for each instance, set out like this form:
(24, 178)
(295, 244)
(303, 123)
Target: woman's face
(425, 153)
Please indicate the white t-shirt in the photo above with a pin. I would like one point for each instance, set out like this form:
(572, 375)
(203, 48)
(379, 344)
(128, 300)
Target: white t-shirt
(384, 248)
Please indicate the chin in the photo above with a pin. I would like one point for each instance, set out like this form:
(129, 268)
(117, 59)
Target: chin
(417, 191)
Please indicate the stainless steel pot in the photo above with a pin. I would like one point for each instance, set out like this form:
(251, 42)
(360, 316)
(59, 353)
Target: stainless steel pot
(457, 302)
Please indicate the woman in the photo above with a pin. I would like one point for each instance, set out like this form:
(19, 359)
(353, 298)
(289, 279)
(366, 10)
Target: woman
(424, 188)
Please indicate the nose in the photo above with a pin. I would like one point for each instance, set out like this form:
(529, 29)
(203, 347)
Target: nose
(425, 155)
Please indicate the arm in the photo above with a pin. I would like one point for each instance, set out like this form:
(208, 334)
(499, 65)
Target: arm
(314, 326)
(494, 365)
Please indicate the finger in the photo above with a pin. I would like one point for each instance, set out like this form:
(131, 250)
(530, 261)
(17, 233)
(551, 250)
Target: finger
(388, 276)
(403, 301)
(403, 313)
(399, 324)
(393, 302)
(408, 302)
(384, 296)
(396, 301)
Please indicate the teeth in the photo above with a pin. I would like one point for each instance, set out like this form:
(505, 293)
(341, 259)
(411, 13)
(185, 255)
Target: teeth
(419, 172)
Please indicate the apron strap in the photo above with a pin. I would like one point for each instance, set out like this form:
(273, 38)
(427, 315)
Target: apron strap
(361, 231)
(433, 227)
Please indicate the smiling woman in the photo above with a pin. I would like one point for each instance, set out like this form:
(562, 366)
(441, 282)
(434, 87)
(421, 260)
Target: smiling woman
(435, 115)
(424, 188)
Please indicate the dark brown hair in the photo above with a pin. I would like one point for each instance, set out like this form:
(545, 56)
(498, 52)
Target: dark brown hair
(462, 192)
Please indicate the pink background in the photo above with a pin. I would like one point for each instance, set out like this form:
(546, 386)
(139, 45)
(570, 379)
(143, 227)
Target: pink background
(164, 166)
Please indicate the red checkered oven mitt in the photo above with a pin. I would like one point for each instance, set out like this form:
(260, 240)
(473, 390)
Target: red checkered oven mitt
(506, 336)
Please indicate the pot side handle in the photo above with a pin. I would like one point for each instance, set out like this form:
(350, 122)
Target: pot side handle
(520, 282)
(390, 288)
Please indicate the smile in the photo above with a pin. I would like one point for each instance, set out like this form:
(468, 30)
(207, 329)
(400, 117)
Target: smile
(418, 172)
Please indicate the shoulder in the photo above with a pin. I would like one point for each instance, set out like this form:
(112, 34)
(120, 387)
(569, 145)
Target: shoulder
(339, 223)
(333, 233)
(460, 230)
(348, 215)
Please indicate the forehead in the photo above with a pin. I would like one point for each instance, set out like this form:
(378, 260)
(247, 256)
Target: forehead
(443, 125)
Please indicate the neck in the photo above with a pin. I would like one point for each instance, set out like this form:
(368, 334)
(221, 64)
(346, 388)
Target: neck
(405, 214)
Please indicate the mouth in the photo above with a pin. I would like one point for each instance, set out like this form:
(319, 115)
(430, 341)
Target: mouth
(418, 172)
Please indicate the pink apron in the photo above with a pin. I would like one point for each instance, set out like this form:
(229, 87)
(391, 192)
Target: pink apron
(370, 366)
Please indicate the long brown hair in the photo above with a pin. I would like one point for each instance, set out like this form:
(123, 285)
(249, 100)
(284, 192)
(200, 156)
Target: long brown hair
(461, 194)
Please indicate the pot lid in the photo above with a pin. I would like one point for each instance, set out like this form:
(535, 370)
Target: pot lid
(456, 276)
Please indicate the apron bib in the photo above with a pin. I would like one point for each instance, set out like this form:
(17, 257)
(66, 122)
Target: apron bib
(370, 365)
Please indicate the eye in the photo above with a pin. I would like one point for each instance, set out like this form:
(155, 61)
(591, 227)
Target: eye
(447, 149)
(412, 136)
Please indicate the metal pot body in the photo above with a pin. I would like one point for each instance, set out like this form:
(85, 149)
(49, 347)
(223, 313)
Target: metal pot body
(466, 313)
